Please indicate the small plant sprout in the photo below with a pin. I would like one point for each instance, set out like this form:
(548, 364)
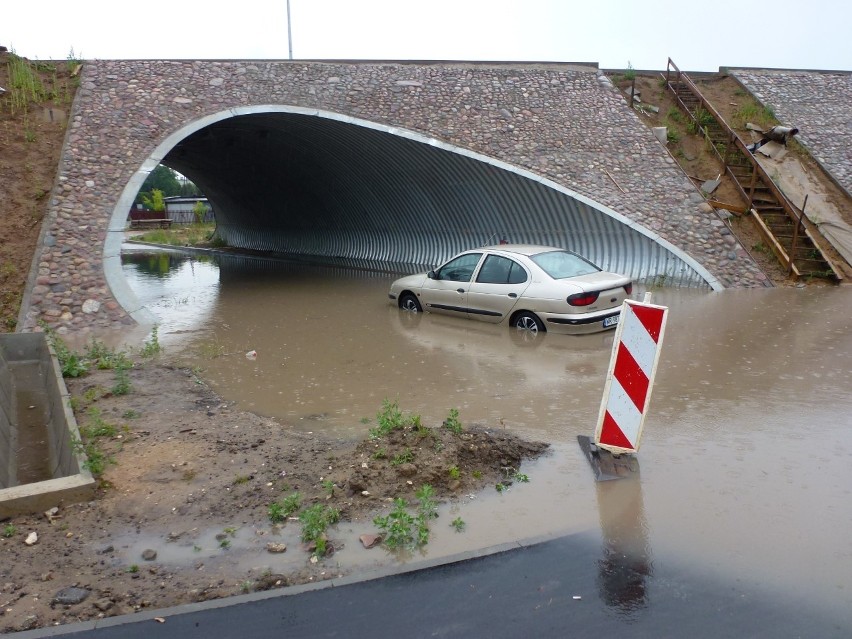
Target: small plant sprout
(405, 457)
(458, 524)
(476, 474)
(151, 347)
(402, 529)
(315, 520)
(397, 526)
(328, 487)
(452, 422)
(9, 530)
(246, 585)
(276, 512)
(224, 544)
(230, 530)
(291, 503)
(390, 418)
(380, 453)
(428, 506)
(521, 477)
(454, 472)
(133, 568)
(241, 479)
(501, 487)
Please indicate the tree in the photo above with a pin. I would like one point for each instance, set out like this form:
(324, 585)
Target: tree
(198, 211)
(163, 179)
(155, 202)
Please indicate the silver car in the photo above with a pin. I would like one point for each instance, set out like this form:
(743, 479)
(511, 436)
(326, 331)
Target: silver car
(535, 288)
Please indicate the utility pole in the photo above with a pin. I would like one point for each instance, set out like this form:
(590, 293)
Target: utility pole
(289, 32)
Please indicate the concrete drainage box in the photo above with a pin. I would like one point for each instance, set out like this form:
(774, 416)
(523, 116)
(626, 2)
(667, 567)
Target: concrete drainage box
(39, 467)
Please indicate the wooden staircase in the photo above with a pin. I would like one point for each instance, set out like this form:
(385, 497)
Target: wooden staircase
(791, 236)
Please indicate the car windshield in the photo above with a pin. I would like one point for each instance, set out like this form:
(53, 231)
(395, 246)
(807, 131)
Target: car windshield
(562, 264)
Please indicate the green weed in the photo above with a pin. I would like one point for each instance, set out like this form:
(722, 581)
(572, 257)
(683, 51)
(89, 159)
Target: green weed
(316, 519)
(454, 472)
(151, 347)
(402, 529)
(452, 422)
(278, 511)
(405, 457)
(397, 526)
(122, 384)
(675, 115)
(391, 418)
(328, 487)
(9, 530)
(458, 524)
(70, 363)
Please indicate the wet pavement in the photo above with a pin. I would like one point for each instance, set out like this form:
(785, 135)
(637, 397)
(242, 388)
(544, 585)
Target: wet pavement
(744, 462)
(558, 588)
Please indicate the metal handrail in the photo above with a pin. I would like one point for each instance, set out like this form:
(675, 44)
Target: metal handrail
(798, 219)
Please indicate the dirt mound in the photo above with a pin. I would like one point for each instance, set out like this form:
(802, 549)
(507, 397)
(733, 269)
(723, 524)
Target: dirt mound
(187, 489)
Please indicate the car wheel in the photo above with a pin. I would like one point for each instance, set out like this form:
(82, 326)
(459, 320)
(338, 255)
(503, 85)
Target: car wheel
(409, 302)
(527, 322)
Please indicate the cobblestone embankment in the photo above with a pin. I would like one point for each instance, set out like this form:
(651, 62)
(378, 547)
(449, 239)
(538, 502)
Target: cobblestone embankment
(564, 123)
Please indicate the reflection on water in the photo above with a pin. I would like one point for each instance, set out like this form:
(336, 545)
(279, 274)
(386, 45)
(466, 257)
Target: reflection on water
(745, 452)
(181, 290)
(625, 567)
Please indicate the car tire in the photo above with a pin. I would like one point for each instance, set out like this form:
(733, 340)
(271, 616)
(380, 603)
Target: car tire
(409, 302)
(526, 321)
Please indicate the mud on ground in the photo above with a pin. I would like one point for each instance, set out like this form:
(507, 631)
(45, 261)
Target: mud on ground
(185, 464)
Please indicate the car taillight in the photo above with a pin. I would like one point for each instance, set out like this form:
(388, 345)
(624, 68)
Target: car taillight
(582, 299)
(628, 288)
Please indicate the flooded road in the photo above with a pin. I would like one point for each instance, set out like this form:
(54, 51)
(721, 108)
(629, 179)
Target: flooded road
(746, 451)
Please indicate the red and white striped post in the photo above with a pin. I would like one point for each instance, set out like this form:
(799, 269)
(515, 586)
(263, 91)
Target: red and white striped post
(630, 378)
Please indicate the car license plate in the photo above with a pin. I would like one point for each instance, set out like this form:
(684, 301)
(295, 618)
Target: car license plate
(611, 321)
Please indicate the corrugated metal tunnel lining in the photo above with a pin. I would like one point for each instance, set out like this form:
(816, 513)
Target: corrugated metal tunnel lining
(314, 186)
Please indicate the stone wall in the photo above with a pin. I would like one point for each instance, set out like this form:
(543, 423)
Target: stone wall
(818, 104)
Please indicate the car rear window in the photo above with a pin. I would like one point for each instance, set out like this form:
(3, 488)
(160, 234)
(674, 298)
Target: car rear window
(562, 264)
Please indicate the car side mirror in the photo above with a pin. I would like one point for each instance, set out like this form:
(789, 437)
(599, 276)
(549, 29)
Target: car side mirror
(432, 275)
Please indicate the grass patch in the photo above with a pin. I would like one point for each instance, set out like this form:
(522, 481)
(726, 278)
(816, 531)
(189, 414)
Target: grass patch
(755, 113)
(195, 234)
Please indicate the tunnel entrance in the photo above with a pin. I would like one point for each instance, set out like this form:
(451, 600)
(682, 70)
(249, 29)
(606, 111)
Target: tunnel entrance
(323, 185)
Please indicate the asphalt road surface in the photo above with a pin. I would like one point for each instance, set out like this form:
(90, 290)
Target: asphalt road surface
(568, 587)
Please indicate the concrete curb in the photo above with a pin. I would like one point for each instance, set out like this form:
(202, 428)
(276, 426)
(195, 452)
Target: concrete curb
(349, 580)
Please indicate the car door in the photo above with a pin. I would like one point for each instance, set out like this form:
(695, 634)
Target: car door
(498, 286)
(446, 291)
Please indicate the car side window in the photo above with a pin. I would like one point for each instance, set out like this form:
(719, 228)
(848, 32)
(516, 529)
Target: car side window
(500, 270)
(460, 269)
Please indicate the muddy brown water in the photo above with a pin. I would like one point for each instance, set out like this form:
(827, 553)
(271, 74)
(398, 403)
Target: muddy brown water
(746, 451)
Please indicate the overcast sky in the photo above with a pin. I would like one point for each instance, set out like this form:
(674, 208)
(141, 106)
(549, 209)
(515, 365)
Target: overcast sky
(698, 36)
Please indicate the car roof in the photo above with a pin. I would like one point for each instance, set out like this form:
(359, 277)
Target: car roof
(521, 249)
